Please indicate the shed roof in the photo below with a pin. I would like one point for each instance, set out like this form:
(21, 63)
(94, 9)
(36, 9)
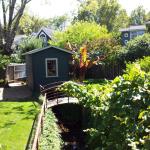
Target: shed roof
(133, 28)
(44, 48)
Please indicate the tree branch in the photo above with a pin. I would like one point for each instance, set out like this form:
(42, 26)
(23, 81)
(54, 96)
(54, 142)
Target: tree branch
(4, 14)
(11, 11)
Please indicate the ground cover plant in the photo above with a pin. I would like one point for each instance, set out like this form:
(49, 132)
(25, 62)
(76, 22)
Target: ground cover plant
(50, 138)
(16, 119)
(120, 109)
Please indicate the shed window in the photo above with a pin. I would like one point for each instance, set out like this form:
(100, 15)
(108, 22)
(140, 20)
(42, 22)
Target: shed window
(51, 67)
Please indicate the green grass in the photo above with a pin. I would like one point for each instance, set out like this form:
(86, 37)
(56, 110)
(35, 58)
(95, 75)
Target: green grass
(16, 119)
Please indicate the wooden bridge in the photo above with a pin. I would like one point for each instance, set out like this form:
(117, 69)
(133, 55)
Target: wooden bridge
(55, 97)
(52, 97)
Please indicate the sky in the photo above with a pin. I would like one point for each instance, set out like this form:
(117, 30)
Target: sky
(51, 8)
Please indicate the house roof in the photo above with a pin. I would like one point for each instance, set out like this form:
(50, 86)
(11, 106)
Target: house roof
(134, 28)
(148, 22)
(44, 48)
(48, 31)
(18, 38)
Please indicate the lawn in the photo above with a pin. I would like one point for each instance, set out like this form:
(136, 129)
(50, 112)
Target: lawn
(16, 119)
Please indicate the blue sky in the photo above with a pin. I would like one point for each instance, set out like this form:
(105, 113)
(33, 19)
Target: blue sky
(51, 8)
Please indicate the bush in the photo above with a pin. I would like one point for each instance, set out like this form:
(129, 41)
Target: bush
(50, 139)
(28, 44)
(136, 48)
(120, 110)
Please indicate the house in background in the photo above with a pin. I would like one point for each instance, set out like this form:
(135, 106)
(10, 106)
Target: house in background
(148, 26)
(131, 32)
(45, 34)
(47, 65)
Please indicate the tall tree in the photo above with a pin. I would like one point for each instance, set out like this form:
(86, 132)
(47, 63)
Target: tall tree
(29, 23)
(12, 11)
(90, 42)
(59, 22)
(138, 16)
(103, 12)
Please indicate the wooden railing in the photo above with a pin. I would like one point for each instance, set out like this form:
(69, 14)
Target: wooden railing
(39, 128)
(50, 92)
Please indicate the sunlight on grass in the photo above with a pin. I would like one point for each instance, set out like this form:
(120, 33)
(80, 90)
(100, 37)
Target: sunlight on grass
(16, 119)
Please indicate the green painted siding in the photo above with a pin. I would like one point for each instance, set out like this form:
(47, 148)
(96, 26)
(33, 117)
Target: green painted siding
(39, 67)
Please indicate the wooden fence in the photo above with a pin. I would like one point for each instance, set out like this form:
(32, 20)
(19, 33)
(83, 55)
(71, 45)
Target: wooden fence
(39, 128)
(105, 71)
(50, 92)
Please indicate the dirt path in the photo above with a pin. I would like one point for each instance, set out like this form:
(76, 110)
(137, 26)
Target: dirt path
(15, 92)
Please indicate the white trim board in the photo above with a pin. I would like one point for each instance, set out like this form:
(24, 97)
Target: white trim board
(46, 59)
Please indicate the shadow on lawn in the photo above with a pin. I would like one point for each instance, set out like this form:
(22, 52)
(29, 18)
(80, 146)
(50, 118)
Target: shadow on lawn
(8, 124)
(17, 92)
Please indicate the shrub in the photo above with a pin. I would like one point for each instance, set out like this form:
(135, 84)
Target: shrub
(50, 139)
(136, 48)
(28, 44)
(120, 110)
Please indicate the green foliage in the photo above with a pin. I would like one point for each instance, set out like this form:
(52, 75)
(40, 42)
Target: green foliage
(50, 139)
(59, 22)
(135, 49)
(120, 110)
(4, 61)
(138, 16)
(28, 44)
(29, 24)
(80, 33)
(103, 12)
(96, 38)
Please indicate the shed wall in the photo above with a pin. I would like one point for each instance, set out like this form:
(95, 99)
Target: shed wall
(29, 71)
(39, 67)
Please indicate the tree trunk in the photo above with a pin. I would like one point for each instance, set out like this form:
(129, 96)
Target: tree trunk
(3, 80)
(82, 73)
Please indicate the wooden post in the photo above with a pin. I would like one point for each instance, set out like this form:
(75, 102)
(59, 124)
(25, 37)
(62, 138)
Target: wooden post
(57, 97)
(42, 125)
(37, 144)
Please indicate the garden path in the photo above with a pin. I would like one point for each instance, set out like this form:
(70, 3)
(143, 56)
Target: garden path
(15, 91)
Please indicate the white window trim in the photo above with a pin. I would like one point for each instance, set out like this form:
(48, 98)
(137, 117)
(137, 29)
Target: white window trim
(126, 35)
(56, 67)
(126, 41)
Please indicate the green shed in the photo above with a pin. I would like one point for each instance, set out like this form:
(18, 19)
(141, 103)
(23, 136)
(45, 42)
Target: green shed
(47, 65)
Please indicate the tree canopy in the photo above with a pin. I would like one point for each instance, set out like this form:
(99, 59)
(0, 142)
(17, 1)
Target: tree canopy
(89, 41)
(138, 16)
(78, 34)
(104, 12)
(12, 12)
(29, 24)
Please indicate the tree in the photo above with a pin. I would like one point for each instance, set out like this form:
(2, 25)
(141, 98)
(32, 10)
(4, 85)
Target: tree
(4, 61)
(59, 22)
(12, 12)
(103, 12)
(89, 41)
(29, 24)
(28, 44)
(138, 16)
